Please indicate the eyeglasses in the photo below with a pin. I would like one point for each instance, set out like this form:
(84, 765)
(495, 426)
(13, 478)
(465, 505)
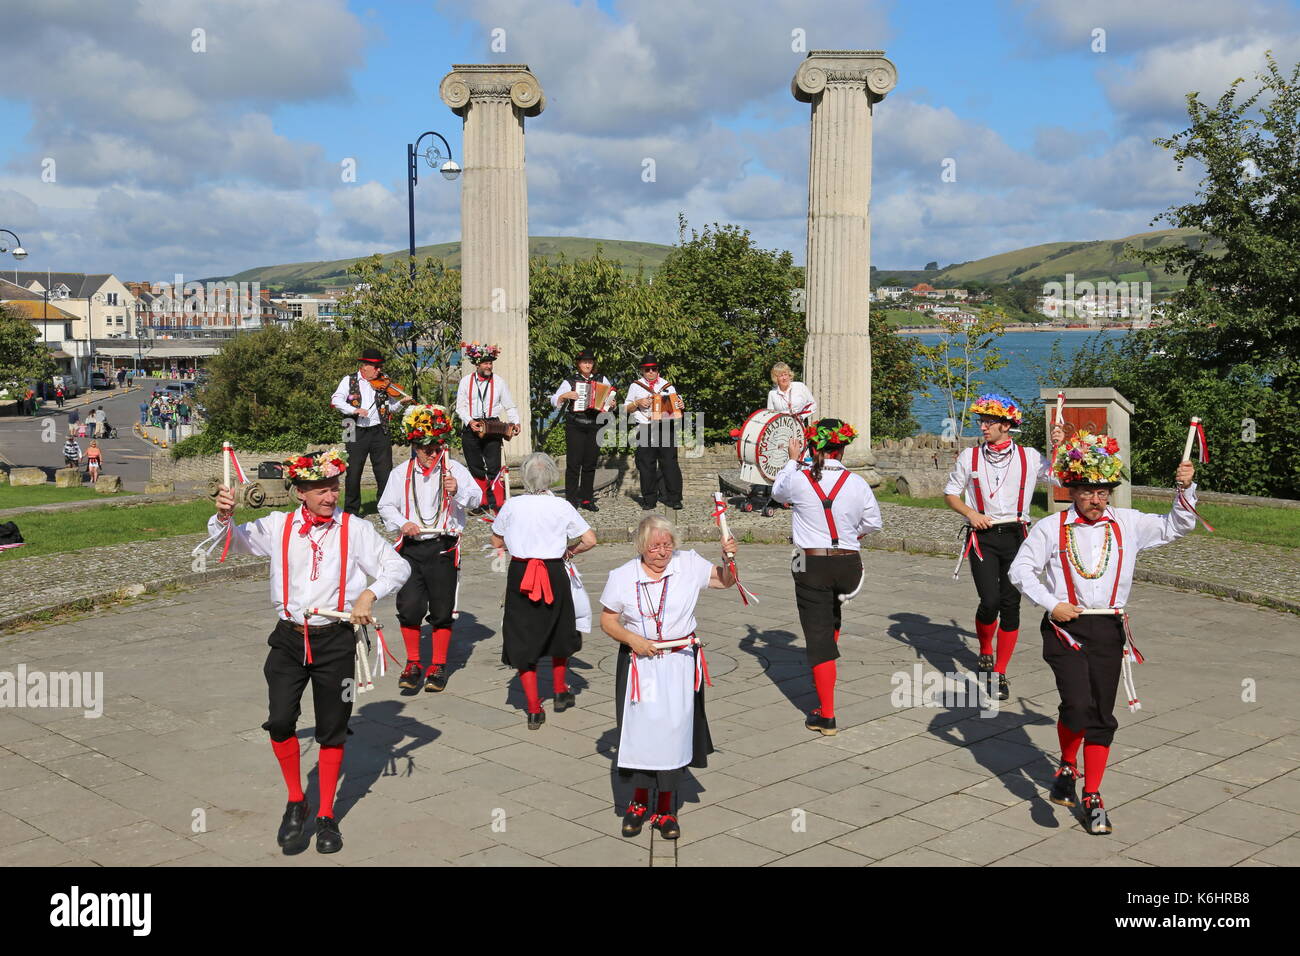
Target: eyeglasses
(1099, 493)
(660, 548)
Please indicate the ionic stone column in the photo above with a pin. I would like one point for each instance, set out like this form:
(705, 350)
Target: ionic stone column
(843, 87)
(493, 100)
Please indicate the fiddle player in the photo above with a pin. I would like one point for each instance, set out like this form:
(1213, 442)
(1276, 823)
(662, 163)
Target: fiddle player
(358, 401)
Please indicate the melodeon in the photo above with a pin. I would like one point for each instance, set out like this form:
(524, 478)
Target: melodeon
(495, 426)
(666, 406)
(592, 396)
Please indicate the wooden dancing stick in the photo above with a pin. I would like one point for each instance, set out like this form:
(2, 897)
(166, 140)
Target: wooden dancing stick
(1191, 437)
(1060, 409)
(225, 464)
(669, 645)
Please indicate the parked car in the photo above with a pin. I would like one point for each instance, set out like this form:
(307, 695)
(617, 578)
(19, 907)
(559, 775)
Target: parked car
(70, 387)
(99, 380)
(178, 389)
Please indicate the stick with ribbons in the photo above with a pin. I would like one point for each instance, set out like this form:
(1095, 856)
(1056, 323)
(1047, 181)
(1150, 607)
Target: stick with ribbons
(1195, 434)
(720, 518)
(229, 464)
(364, 673)
(971, 542)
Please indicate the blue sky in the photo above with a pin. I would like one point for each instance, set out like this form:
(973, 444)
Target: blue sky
(205, 163)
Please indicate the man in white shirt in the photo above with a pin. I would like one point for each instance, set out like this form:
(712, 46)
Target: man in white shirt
(320, 559)
(656, 441)
(580, 429)
(426, 500)
(991, 486)
(488, 416)
(1078, 566)
(832, 509)
(368, 411)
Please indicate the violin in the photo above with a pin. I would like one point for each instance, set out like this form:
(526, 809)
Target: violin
(386, 386)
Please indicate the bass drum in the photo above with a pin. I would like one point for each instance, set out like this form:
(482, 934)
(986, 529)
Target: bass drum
(763, 446)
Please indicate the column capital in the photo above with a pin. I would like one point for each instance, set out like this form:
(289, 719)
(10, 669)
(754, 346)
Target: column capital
(480, 81)
(869, 68)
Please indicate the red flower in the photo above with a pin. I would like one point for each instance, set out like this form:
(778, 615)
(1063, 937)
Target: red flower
(1112, 446)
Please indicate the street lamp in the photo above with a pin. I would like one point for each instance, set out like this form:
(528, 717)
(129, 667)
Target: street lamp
(20, 253)
(449, 168)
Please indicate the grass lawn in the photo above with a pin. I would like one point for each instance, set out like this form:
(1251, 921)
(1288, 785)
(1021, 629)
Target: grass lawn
(55, 532)
(1279, 527)
(22, 496)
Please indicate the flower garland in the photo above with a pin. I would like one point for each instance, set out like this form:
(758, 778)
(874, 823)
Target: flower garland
(318, 466)
(423, 424)
(1077, 562)
(480, 352)
(997, 406)
(820, 435)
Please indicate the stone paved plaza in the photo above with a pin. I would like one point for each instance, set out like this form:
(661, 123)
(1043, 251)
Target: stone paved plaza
(1199, 776)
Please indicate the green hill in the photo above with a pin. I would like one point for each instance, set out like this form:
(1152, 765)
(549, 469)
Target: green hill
(314, 276)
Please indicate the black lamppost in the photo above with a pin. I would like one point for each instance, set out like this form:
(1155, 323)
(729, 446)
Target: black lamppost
(450, 169)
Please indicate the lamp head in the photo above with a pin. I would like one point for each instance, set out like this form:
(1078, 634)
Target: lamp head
(20, 253)
(450, 170)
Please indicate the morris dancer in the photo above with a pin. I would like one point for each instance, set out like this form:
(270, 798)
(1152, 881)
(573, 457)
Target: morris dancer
(997, 478)
(833, 508)
(357, 400)
(659, 692)
(481, 400)
(656, 447)
(319, 559)
(580, 430)
(426, 501)
(1087, 556)
(536, 528)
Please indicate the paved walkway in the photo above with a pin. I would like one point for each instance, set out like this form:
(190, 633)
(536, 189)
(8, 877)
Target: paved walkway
(178, 771)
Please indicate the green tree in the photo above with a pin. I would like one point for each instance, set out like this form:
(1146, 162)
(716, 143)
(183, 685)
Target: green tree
(416, 325)
(964, 351)
(894, 377)
(22, 353)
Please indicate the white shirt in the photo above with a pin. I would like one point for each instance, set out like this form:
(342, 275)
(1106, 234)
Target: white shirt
(797, 400)
(687, 575)
(538, 526)
(368, 555)
(999, 483)
(568, 386)
(492, 389)
(1040, 554)
(396, 508)
(855, 509)
(637, 390)
(368, 413)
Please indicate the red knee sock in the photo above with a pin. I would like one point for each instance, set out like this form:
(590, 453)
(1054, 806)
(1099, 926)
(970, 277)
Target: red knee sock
(1094, 765)
(1069, 743)
(1006, 644)
(411, 638)
(482, 487)
(837, 635)
(642, 796)
(824, 679)
(985, 634)
(665, 802)
(328, 765)
(286, 751)
(441, 642)
(559, 667)
(529, 680)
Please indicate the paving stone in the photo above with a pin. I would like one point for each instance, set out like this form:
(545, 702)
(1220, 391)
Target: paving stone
(14, 830)
(861, 805)
(982, 842)
(887, 837)
(775, 798)
(927, 781)
(723, 850)
(1248, 821)
(952, 811)
(1196, 793)
(920, 856)
(788, 833)
(1250, 769)
(1166, 763)
(136, 844)
(823, 855)
(1286, 853)
(537, 833)
(1178, 847)
(1282, 793)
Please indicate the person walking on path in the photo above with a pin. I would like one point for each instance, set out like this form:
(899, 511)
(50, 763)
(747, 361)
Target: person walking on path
(94, 459)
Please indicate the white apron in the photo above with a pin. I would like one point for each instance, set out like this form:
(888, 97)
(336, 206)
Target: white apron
(581, 603)
(659, 729)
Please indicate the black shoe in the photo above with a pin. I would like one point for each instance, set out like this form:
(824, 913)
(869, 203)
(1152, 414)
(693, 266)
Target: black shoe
(1004, 688)
(563, 701)
(435, 679)
(411, 676)
(648, 505)
(1063, 786)
(823, 725)
(634, 819)
(590, 506)
(985, 664)
(667, 826)
(292, 823)
(328, 837)
(477, 510)
(536, 720)
(1098, 822)
(676, 506)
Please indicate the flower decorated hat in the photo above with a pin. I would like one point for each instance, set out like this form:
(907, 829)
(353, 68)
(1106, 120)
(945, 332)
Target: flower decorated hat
(480, 352)
(997, 406)
(318, 466)
(425, 424)
(830, 433)
(1087, 459)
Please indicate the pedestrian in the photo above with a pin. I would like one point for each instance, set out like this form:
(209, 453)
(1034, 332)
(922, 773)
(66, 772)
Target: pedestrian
(144, 413)
(71, 453)
(73, 418)
(58, 396)
(94, 458)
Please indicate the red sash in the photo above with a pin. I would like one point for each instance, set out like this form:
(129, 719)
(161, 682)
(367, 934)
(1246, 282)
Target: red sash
(827, 501)
(284, 574)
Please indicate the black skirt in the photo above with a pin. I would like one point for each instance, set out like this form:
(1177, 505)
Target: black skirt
(701, 741)
(534, 629)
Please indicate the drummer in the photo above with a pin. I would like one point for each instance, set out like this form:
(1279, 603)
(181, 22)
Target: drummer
(794, 398)
(659, 694)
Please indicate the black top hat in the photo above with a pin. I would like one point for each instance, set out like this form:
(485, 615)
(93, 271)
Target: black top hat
(372, 357)
(650, 360)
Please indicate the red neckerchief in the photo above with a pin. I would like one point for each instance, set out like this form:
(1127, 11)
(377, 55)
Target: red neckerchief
(310, 521)
(1005, 443)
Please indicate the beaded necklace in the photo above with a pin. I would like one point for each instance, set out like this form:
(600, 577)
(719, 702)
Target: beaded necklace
(1077, 563)
(656, 616)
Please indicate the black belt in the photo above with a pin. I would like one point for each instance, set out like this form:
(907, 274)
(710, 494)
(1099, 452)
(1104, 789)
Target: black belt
(828, 552)
(1009, 527)
(366, 428)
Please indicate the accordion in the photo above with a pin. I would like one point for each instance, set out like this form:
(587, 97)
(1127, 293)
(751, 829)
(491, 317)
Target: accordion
(592, 396)
(666, 406)
(495, 426)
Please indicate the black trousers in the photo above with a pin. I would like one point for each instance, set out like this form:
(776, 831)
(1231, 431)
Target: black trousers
(372, 442)
(431, 588)
(333, 650)
(482, 455)
(579, 461)
(999, 598)
(817, 591)
(656, 462)
(1087, 679)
